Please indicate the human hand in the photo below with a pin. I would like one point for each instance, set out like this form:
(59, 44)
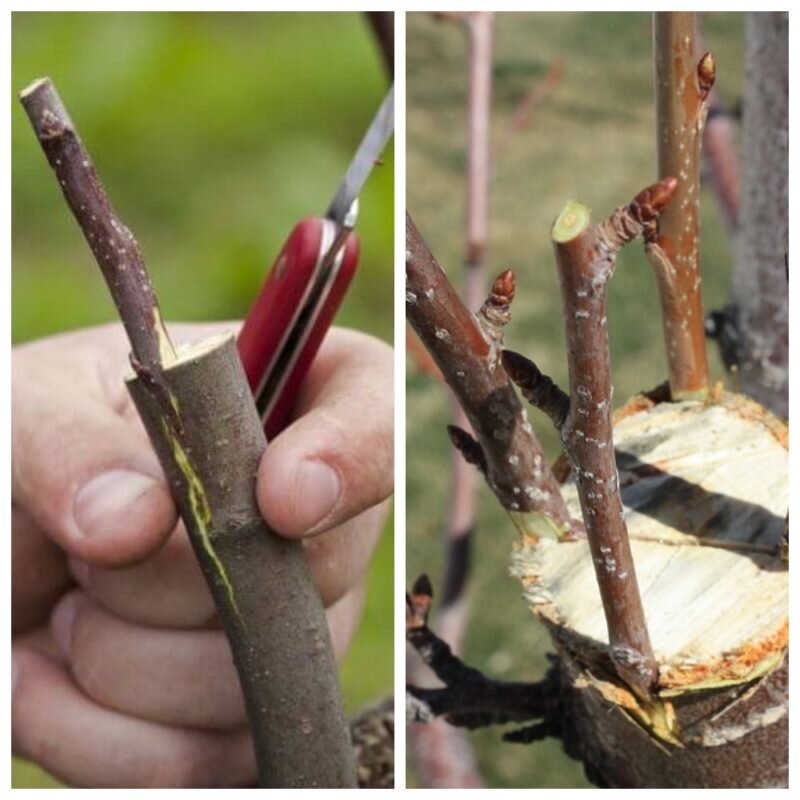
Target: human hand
(131, 683)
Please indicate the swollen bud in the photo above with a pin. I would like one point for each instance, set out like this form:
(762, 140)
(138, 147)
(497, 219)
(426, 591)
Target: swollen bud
(706, 74)
(650, 202)
(503, 289)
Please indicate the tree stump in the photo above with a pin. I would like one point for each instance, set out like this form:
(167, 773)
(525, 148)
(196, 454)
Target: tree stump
(705, 494)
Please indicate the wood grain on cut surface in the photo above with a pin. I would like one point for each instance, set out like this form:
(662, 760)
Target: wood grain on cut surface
(705, 491)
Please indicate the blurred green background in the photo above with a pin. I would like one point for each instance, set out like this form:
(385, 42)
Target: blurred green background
(591, 139)
(214, 134)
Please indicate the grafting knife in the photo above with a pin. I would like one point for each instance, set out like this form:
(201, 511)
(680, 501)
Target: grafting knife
(305, 287)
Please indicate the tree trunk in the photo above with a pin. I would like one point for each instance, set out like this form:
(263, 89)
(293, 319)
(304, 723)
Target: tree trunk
(759, 303)
(705, 490)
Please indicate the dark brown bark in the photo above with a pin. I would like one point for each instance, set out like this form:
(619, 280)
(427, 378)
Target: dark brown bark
(517, 471)
(734, 737)
(585, 257)
(682, 85)
(204, 427)
(260, 581)
(730, 736)
(538, 389)
(468, 698)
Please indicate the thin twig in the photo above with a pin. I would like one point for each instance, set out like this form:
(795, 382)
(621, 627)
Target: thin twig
(113, 245)
(523, 115)
(463, 499)
(479, 30)
(469, 699)
(517, 470)
(453, 613)
(672, 245)
(586, 256)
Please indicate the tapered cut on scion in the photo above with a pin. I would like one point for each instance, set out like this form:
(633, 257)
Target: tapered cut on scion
(261, 582)
(204, 427)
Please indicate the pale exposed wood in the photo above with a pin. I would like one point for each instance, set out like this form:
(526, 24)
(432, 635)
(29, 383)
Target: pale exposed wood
(692, 475)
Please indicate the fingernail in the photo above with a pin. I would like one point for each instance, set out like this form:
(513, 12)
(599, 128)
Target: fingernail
(62, 624)
(317, 490)
(110, 500)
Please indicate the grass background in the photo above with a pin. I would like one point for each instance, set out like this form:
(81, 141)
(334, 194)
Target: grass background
(214, 135)
(592, 140)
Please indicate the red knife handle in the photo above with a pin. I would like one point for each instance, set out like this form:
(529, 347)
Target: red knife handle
(275, 311)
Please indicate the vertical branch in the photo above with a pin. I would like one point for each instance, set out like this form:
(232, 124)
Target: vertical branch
(462, 497)
(479, 29)
(585, 257)
(453, 748)
(516, 469)
(759, 303)
(682, 87)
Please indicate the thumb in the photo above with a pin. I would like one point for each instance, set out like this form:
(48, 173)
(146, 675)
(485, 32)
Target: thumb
(336, 460)
(84, 473)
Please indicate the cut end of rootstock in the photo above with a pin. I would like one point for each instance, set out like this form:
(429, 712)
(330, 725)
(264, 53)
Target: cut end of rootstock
(705, 529)
(573, 220)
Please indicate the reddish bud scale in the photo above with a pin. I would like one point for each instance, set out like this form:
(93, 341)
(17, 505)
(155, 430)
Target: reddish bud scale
(650, 202)
(503, 289)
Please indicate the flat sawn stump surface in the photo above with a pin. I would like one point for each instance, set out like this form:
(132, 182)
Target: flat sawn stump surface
(705, 490)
